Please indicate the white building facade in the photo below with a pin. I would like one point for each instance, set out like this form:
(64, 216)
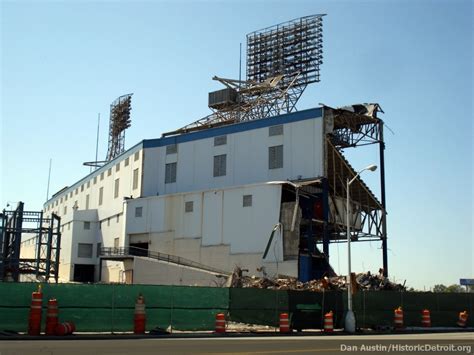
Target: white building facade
(212, 197)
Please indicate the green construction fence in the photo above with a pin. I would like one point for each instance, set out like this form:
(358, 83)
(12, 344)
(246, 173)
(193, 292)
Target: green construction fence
(110, 307)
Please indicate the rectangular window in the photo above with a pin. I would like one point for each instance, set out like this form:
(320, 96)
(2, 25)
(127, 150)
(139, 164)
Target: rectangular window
(170, 173)
(61, 200)
(117, 167)
(275, 130)
(136, 156)
(95, 180)
(88, 184)
(135, 179)
(116, 188)
(220, 165)
(84, 250)
(116, 242)
(101, 195)
(77, 191)
(117, 218)
(70, 194)
(188, 206)
(275, 157)
(65, 209)
(171, 149)
(109, 172)
(138, 212)
(56, 202)
(221, 140)
(126, 161)
(65, 197)
(99, 246)
(87, 202)
(108, 222)
(87, 225)
(101, 176)
(82, 187)
(69, 226)
(247, 201)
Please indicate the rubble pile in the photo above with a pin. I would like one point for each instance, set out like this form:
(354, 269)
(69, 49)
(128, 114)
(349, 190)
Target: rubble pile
(361, 281)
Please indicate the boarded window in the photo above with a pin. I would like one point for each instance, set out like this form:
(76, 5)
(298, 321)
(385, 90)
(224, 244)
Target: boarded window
(188, 206)
(116, 188)
(138, 212)
(101, 195)
(275, 130)
(170, 173)
(220, 165)
(172, 149)
(221, 140)
(275, 157)
(135, 179)
(247, 201)
(87, 225)
(84, 250)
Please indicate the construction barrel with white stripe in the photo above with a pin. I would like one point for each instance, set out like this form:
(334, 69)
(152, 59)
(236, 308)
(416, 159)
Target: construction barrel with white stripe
(139, 323)
(51, 317)
(462, 320)
(328, 322)
(220, 323)
(398, 318)
(425, 318)
(34, 318)
(284, 323)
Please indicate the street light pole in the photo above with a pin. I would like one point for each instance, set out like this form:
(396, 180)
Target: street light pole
(350, 323)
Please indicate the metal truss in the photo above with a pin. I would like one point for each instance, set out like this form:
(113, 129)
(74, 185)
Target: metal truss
(45, 231)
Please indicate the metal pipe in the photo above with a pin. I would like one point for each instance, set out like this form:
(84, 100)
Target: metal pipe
(384, 211)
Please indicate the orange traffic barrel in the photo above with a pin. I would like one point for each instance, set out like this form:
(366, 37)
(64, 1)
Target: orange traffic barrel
(398, 318)
(220, 323)
(65, 328)
(425, 318)
(51, 317)
(34, 318)
(328, 322)
(139, 321)
(284, 323)
(462, 320)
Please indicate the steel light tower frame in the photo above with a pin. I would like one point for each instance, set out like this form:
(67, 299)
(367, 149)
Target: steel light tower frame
(118, 123)
(282, 60)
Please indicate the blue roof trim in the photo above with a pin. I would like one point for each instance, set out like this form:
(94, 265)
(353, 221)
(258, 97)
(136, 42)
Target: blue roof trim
(235, 128)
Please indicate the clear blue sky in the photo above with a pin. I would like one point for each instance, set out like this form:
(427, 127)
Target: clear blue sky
(64, 62)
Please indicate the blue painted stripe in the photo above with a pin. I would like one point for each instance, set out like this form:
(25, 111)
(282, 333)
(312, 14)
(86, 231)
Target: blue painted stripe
(234, 128)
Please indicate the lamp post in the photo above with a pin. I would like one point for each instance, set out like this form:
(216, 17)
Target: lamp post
(350, 323)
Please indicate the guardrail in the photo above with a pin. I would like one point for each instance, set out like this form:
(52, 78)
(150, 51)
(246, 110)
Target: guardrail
(135, 251)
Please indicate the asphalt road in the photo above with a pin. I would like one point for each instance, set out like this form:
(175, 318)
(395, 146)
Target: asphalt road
(440, 343)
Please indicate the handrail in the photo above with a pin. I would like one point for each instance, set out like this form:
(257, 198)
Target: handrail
(135, 251)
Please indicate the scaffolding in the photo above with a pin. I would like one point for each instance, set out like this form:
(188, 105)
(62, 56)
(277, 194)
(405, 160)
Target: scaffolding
(17, 224)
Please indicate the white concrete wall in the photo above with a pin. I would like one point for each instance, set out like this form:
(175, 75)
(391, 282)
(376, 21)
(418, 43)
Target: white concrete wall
(220, 232)
(247, 159)
(147, 271)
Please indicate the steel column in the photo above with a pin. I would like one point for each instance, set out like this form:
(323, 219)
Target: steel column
(384, 211)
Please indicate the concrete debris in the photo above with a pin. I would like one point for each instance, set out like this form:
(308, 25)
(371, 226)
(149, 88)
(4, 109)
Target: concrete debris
(361, 281)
